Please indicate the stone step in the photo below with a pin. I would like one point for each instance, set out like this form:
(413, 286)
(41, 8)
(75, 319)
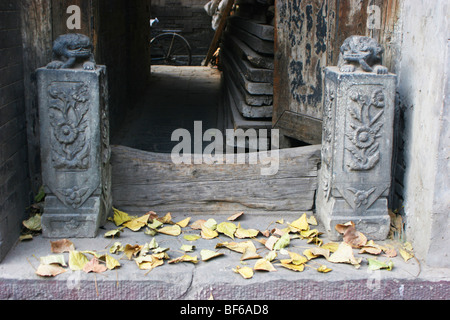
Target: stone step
(262, 31)
(257, 44)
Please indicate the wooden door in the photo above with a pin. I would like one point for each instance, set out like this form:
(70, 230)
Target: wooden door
(308, 37)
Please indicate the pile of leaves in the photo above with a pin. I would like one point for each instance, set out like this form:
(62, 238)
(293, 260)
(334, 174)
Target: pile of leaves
(275, 243)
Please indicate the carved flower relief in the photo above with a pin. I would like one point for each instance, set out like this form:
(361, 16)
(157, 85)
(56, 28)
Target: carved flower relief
(66, 132)
(378, 99)
(361, 196)
(73, 196)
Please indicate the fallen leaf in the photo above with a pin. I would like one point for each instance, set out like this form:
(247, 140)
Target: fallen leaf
(405, 254)
(49, 270)
(25, 237)
(197, 225)
(301, 224)
(227, 228)
(33, 223)
(113, 233)
(245, 272)
(191, 237)
(270, 243)
(210, 224)
(283, 242)
(249, 254)
(351, 236)
(148, 262)
(132, 250)
(53, 259)
(344, 254)
(187, 248)
(272, 255)
(120, 217)
(242, 233)
(155, 224)
(94, 266)
(111, 263)
(184, 258)
(209, 254)
(60, 246)
(374, 264)
(264, 265)
(116, 247)
(331, 246)
(320, 251)
(324, 269)
(166, 219)
(266, 233)
(297, 259)
(77, 260)
(137, 223)
(312, 221)
(286, 264)
(174, 230)
(235, 216)
(183, 223)
(240, 247)
(208, 233)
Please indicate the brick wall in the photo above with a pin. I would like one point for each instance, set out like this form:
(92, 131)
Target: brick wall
(14, 180)
(188, 16)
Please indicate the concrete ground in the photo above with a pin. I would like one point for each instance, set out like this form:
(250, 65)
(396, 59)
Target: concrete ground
(214, 278)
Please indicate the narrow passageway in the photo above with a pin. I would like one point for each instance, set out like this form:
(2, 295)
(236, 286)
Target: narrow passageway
(174, 99)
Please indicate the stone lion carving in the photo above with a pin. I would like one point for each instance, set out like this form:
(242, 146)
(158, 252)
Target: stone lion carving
(361, 51)
(72, 49)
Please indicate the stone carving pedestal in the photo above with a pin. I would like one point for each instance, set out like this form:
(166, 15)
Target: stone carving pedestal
(74, 129)
(355, 176)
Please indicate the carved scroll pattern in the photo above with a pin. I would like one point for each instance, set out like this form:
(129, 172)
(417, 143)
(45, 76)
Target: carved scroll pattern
(364, 129)
(327, 138)
(68, 108)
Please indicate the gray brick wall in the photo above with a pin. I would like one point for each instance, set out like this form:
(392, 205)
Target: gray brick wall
(14, 180)
(188, 16)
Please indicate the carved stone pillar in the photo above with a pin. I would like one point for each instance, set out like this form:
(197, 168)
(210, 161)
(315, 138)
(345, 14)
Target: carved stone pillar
(355, 176)
(73, 112)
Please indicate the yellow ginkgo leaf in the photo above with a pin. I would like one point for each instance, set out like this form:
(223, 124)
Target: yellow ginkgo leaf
(324, 269)
(120, 217)
(264, 265)
(291, 266)
(301, 224)
(312, 221)
(53, 259)
(113, 233)
(77, 260)
(250, 254)
(235, 216)
(183, 223)
(132, 250)
(191, 237)
(242, 233)
(184, 258)
(209, 254)
(331, 246)
(227, 228)
(344, 254)
(111, 263)
(240, 247)
(187, 248)
(174, 230)
(245, 272)
(137, 223)
(166, 219)
(208, 233)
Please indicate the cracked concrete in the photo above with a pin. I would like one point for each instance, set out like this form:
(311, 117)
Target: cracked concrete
(187, 281)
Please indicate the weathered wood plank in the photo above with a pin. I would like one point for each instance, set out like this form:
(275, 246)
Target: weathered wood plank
(262, 31)
(247, 110)
(242, 50)
(252, 88)
(145, 181)
(258, 45)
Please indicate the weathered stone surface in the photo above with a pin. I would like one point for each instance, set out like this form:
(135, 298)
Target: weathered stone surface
(74, 150)
(355, 177)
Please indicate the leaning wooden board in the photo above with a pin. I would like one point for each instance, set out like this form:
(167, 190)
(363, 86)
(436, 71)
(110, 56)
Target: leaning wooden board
(144, 181)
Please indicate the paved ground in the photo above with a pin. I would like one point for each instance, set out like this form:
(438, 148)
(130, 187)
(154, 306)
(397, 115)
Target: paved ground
(176, 97)
(199, 281)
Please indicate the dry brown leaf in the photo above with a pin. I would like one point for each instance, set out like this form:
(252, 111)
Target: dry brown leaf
(197, 225)
(131, 250)
(351, 236)
(49, 270)
(60, 246)
(318, 251)
(184, 258)
(270, 243)
(94, 266)
(235, 216)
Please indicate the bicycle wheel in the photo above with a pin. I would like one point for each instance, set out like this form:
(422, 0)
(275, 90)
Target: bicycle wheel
(170, 49)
